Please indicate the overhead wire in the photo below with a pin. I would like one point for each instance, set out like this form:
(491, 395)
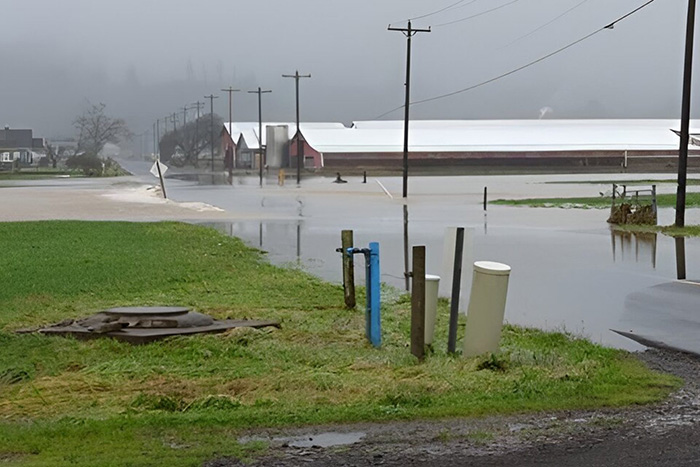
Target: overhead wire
(475, 15)
(539, 28)
(527, 65)
(448, 7)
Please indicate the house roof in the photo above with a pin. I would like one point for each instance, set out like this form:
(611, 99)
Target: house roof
(15, 139)
(498, 136)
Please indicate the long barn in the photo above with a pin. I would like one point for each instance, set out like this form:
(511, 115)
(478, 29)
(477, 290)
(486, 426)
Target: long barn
(517, 143)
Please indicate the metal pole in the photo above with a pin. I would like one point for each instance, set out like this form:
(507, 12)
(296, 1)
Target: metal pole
(456, 286)
(685, 116)
(409, 33)
(418, 303)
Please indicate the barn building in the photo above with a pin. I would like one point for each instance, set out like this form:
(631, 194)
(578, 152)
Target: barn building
(497, 143)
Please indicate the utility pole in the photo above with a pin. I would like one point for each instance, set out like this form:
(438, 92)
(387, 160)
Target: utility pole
(198, 105)
(211, 98)
(409, 32)
(154, 139)
(230, 92)
(685, 116)
(260, 92)
(174, 119)
(300, 145)
(158, 138)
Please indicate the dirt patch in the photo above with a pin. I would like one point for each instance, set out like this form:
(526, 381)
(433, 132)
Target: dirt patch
(660, 434)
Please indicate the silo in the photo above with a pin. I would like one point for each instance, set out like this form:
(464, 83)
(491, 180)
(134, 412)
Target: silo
(277, 141)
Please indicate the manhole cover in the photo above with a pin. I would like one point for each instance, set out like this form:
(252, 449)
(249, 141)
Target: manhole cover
(147, 310)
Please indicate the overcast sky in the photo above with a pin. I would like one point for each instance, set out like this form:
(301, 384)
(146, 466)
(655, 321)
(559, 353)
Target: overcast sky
(148, 58)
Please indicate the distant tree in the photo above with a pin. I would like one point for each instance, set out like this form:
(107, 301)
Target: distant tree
(95, 129)
(191, 140)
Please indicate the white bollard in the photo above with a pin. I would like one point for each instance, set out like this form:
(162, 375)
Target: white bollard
(432, 284)
(487, 306)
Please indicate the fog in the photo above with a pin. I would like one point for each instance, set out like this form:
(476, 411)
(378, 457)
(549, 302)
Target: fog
(148, 58)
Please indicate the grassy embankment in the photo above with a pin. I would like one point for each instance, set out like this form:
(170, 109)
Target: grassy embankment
(185, 400)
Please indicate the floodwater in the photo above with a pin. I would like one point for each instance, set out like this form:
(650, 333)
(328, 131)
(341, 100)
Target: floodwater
(569, 271)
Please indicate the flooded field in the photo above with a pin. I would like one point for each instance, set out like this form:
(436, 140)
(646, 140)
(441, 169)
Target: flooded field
(570, 272)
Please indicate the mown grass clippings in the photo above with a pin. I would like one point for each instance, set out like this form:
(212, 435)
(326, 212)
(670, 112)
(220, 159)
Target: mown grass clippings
(181, 400)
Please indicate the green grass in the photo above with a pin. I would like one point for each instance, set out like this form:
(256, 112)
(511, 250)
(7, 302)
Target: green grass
(670, 230)
(38, 174)
(629, 183)
(185, 400)
(596, 202)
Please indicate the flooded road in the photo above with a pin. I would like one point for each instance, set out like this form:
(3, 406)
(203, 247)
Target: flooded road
(570, 272)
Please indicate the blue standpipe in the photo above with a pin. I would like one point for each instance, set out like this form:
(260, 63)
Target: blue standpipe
(373, 322)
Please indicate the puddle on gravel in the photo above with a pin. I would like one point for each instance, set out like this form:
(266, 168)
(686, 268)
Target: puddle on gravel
(321, 440)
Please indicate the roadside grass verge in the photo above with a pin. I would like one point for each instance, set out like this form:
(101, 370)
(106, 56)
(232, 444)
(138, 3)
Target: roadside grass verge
(596, 202)
(185, 400)
(690, 181)
(38, 174)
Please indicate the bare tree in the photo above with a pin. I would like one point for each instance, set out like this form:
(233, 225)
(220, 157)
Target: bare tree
(192, 139)
(96, 129)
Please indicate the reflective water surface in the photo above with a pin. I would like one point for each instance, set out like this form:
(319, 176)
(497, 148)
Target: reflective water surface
(570, 272)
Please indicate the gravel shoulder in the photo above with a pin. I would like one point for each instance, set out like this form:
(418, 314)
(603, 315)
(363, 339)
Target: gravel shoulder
(664, 434)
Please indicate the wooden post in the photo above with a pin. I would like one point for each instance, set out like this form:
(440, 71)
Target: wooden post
(654, 206)
(418, 303)
(456, 285)
(485, 197)
(348, 269)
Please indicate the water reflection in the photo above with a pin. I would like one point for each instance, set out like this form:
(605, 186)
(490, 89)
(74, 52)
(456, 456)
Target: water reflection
(631, 246)
(680, 258)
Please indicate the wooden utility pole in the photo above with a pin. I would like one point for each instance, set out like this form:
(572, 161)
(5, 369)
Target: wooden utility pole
(230, 92)
(300, 145)
(260, 92)
(409, 32)
(198, 105)
(685, 116)
(211, 98)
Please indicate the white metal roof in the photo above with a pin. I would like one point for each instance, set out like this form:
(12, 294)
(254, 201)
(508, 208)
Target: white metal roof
(249, 130)
(498, 136)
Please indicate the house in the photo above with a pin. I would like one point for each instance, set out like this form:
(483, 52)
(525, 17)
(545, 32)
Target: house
(20, 146)
(487, 143)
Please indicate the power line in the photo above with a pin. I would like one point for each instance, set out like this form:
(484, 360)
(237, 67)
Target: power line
(476, 15)
(449, 7)
(539, 28)
(520, 68)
